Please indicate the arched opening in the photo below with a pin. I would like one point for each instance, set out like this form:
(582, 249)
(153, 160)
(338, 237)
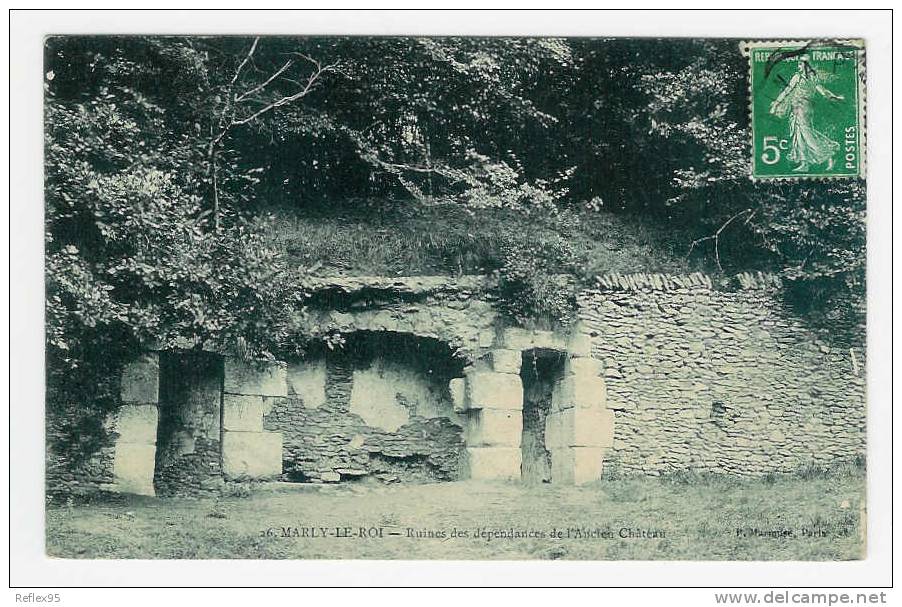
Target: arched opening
(376, 407)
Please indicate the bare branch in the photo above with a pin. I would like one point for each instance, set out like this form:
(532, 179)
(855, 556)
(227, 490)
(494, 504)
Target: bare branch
(308, 58)
(332, 67)
(402, 167)
(226, 123)
(250, 54)
(716, 235)
(311, 82)
(292, 81)
(265, 83)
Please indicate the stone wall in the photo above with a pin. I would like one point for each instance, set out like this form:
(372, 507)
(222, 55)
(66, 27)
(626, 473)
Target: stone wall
(91, 448)
(661, 374)
(458, 311)
(722, 377)
(249, 391)
(80, 450)
(378, 407)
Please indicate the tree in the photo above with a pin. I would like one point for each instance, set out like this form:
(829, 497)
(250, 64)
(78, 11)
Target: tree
(435, 120)
(208, 132)
(811, 232)
(131, 259)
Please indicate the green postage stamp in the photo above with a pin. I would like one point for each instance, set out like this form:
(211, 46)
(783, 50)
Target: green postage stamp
(807, 109)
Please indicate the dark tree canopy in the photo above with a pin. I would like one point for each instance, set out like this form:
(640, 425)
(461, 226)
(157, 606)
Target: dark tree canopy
(163, 154)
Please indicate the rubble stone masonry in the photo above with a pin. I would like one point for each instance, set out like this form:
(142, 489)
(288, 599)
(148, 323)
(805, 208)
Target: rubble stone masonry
(661, 374)
(721, 378)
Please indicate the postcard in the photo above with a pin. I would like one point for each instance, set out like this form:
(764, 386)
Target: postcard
(470, 298)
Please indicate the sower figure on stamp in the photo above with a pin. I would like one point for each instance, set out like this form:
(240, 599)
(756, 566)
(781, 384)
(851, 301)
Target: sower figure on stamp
(809, 146)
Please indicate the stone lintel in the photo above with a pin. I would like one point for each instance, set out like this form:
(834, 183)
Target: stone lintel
(515, 338)
(502, 361)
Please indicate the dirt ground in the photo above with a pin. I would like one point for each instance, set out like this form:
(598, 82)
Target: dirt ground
(696, 519)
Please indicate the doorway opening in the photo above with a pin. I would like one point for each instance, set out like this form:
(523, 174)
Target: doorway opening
(188, 455)
(540, 370)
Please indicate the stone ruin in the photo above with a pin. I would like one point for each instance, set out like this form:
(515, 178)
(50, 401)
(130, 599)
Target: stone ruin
(185, 440)
(660, 374)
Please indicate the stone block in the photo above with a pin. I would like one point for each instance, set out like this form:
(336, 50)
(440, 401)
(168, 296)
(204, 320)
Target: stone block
(458, 389)
(251, 454)
(351, 471)
(579, 428)
(308, 380)
(494, 391)
(141, 380)
(504, 361)
(576, 465)
(523, 339)
(486, 339)
(244, 413)
(330, 477)
(384, 320)
(589, 367)
(579, 345)
(133, 467)
(492, 463)
(578, 391)
(261, 378)
(137, 424)
(494, 428)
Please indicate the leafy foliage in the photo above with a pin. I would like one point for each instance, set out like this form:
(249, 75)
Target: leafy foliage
(163, 153)
(531, 286)
(132, 258)
(812, 232)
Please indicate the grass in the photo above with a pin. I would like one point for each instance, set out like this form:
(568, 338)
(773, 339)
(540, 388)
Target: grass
(381, 238)
(688, 518)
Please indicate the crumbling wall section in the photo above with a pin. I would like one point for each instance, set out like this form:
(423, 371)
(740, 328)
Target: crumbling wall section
(458, 311)
(378, 407)
(80, 450)
(700, 376)
(109, 445)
